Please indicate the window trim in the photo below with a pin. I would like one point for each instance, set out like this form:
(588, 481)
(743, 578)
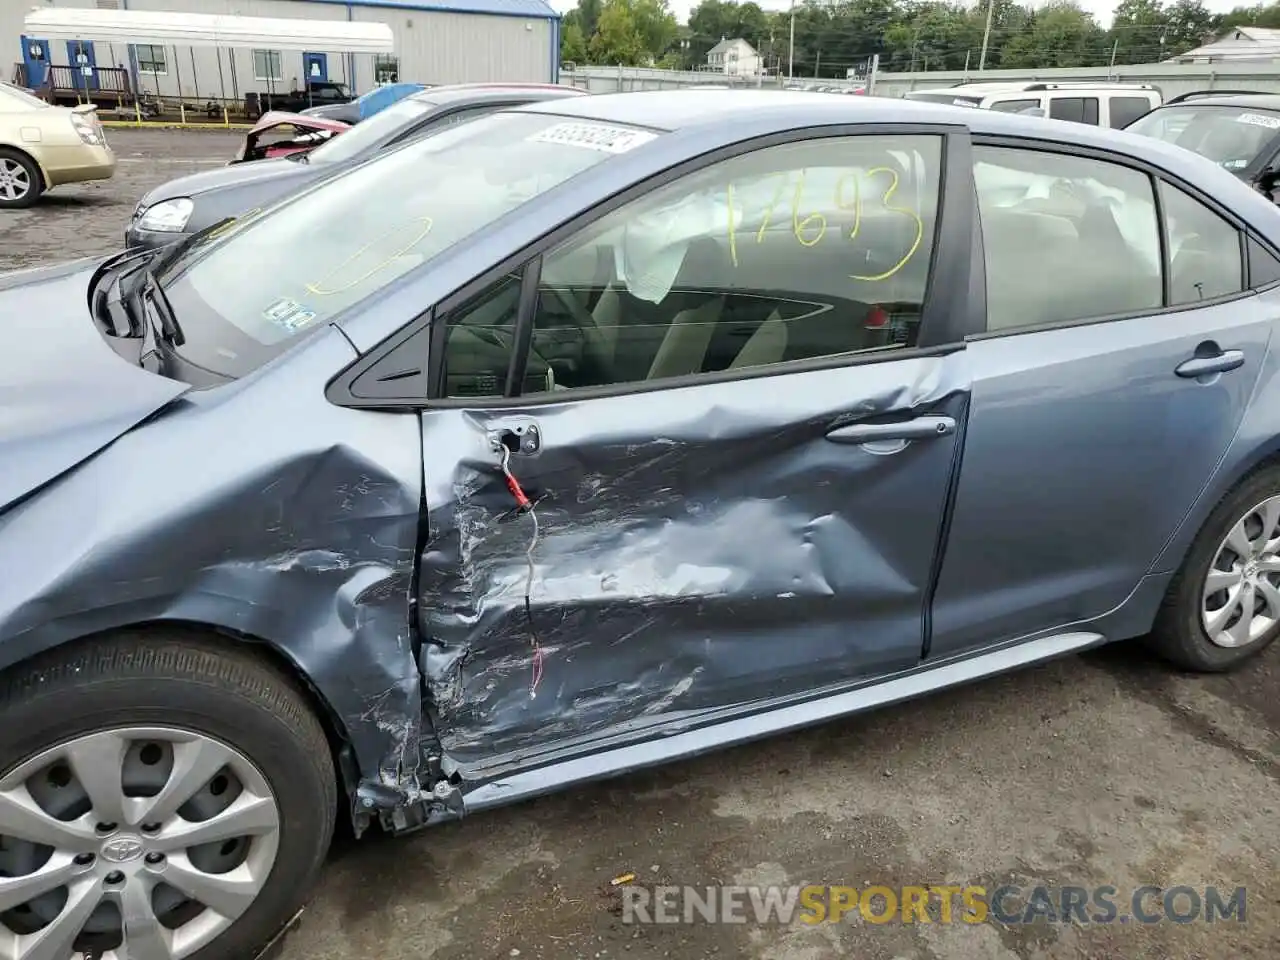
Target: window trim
(945, 316)
(1154, 175)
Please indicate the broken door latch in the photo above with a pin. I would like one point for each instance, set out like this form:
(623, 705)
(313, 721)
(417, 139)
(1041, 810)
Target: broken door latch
(518, 438)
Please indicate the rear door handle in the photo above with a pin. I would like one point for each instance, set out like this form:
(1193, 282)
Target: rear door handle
(921, 428)
(1204, 366)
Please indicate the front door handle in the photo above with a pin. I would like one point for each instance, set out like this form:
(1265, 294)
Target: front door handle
(1205, 366)
(921, 428)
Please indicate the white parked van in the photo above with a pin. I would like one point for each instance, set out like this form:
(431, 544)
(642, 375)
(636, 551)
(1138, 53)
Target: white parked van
(1113, 105)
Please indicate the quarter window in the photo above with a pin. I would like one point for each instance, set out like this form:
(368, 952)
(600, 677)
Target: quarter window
(1014, 106)
(1125, 110)
(1066, 238)
(1204, 250)
(816, 249)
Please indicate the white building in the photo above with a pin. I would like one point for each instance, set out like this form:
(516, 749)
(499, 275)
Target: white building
(1237, 45)
(436, 41)
(734, 58)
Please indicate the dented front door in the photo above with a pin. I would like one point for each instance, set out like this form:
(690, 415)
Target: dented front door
(699, 549)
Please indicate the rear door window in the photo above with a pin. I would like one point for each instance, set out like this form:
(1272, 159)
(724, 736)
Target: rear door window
(1076, 109)
(1125, 110)
(1066, 238)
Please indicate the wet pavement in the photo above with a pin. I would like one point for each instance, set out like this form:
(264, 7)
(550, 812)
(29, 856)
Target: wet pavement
(1105, 769)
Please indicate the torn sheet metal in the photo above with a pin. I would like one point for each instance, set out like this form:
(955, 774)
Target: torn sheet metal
(300, 532)
(709, 547)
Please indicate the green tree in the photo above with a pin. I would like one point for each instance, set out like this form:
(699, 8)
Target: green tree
(1138, 30)
(573, 45)
(1061, 34)
(656, 25)
(617, 39)
(1189, 25)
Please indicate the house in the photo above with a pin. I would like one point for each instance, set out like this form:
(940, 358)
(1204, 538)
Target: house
(1237, 45)
(734, 58)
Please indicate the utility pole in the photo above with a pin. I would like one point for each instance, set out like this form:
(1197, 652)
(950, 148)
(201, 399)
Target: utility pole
(986, 36)
(791, 53)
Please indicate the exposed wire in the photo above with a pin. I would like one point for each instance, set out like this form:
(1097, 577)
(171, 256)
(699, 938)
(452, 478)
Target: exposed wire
(525, 505)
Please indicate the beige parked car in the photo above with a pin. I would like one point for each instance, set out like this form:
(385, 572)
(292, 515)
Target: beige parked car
(43, 146)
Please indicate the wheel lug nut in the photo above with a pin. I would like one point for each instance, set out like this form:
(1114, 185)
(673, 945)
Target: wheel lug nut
(154, 858)
(114, 877)
(84, 859)
(106, 828)
(150, 828)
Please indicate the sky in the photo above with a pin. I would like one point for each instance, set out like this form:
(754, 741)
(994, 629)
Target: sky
(1101, 9)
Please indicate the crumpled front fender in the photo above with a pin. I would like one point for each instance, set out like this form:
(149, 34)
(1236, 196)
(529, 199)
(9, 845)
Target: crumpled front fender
(258, 509)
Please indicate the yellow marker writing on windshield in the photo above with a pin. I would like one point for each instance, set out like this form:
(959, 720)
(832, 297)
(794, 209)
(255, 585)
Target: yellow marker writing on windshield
(317, 290)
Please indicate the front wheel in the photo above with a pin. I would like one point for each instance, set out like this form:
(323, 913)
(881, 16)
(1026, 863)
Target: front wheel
(161, 797)
(1223, 607)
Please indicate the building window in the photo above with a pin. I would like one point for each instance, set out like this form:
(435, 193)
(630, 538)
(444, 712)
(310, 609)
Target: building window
(267, 65)
(151, 59)
(386, 69)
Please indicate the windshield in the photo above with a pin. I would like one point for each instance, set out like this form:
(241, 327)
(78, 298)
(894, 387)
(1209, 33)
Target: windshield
(13, 98)
(297, 265)
(367, 134)
(1231, 137)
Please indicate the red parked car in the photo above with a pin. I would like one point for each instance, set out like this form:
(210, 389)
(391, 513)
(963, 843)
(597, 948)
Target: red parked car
(279, 134)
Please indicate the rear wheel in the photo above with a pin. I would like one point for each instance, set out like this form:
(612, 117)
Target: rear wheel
(160, 798)
(20, 182)
(1224, 606)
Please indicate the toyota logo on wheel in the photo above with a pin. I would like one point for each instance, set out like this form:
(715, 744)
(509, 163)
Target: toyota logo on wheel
(122, 849)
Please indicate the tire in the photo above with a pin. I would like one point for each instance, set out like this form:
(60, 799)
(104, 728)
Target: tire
(18, 169)
(215, 695)
(1180, 633)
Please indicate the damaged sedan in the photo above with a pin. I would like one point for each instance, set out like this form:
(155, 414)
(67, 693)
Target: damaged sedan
(588, 435)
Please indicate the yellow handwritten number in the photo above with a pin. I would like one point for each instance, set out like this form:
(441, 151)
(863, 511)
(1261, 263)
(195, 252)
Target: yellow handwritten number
(856, 207)
(317, 290)
(773, 205)
(904, 211)
(798, 226)
(733, 237)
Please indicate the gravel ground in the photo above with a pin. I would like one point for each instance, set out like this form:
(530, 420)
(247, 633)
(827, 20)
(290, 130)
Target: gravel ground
(1104, 769)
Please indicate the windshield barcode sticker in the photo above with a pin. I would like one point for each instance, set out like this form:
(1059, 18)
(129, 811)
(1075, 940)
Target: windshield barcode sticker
(1260, 120)
(281, 310)
(593, 136)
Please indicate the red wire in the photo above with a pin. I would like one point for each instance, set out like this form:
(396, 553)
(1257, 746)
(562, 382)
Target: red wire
(524, 503)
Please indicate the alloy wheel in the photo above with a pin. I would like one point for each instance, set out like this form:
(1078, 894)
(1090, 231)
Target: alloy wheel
(1241, 594)
(139, 843)
(15, 181)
